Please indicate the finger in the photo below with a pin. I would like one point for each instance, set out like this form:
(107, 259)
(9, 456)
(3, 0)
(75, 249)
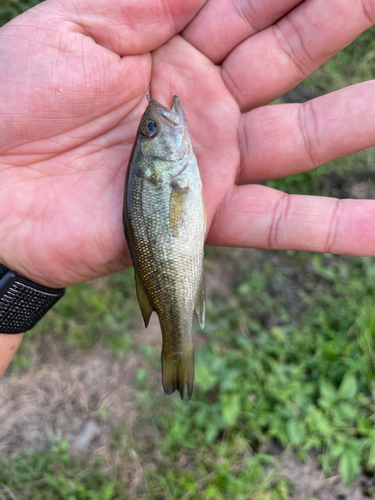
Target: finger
(275, 60)
(222, 24)
(261, 217)
(125, 28)
(8, 346)
(56, 82)
(130, 27)
(281, 140)
(60, 50)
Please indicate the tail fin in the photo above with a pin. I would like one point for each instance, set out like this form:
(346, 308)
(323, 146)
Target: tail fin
(178, 371)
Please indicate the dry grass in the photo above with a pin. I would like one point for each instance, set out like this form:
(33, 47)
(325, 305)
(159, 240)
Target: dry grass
(61, 399)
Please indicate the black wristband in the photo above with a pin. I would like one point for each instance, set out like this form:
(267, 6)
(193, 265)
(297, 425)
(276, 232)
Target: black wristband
(22, 302)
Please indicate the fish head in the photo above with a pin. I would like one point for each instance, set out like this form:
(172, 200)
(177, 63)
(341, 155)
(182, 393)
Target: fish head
(164, 133)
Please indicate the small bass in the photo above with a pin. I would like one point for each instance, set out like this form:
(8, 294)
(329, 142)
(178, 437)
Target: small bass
(164, 220)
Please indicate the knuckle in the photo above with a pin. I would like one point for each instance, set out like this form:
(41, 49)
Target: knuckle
(308, 126)
(367, 7)
(278, 228)
(293, 47)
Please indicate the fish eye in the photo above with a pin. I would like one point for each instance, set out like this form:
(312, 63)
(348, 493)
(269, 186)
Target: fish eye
(149, 128)
(152, 127)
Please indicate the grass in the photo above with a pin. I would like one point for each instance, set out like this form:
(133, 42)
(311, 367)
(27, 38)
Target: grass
(308, 381)
(287, 356)
(12, 8)
(52, 474)
(90, 314)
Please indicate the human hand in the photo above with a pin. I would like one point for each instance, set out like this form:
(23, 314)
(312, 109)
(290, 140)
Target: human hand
(73, 81)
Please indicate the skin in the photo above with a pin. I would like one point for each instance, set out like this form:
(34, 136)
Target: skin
(8, 347)
(72, 90)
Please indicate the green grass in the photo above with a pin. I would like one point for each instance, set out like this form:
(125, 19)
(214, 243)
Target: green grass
(306, 381)
(90, 314)
(52, 474)
(352, 65)
(288, 356)
(12, 8)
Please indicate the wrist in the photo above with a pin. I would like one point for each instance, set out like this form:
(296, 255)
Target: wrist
(22, 302)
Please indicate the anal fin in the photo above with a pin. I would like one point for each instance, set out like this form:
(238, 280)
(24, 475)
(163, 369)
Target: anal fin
(143, 301)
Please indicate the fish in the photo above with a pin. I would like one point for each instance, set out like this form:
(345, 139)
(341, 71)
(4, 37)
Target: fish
(165, 222)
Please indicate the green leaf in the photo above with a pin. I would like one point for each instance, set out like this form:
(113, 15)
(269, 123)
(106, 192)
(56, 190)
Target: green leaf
(278, 333)
(107, 491)
(336, 450)
(371, 459)
(231, 407)
(295, 430)
(141, 375)
(204, 377)
(348, 387)
(349, 464)
(347, 411)
(327, 391)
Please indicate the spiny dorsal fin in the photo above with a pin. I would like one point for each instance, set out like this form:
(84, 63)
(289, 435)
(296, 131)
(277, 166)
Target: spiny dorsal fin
(200, 302)
(176, 207)
(143, 301)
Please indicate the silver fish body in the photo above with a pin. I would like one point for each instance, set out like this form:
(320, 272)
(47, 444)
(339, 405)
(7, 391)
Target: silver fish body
(164, 222)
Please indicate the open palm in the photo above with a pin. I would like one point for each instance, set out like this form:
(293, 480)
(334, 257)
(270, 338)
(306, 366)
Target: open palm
(73, 78)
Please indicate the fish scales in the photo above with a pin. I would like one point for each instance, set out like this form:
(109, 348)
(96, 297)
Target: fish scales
(164, 220)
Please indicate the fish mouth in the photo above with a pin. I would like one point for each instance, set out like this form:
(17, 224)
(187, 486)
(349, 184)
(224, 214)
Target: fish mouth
(175, 116)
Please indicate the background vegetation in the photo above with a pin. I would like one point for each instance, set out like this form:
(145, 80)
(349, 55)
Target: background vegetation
(286, 361)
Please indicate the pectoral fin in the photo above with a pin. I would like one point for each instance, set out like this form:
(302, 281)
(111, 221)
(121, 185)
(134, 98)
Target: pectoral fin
(143, 301)
(177, 202)
(200, 303)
